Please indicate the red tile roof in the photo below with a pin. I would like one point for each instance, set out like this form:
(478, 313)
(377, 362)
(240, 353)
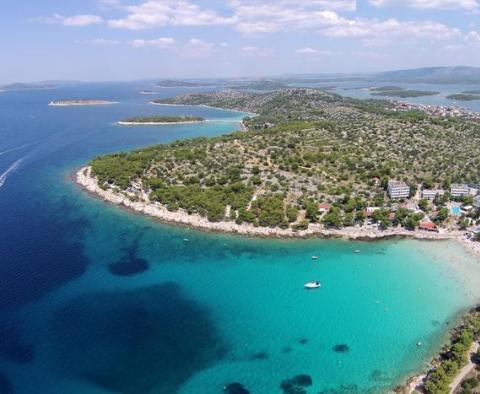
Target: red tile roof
(427, 226)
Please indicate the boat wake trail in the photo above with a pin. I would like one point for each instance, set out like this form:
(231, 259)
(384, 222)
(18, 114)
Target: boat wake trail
(10, 169)
(16, 148)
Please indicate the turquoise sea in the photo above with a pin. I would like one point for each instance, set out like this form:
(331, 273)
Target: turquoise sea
(95, 299)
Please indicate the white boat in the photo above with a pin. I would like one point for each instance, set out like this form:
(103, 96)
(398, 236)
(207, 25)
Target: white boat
(312, 285)
(314, 257)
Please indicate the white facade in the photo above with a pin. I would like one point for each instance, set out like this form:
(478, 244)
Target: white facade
(430, 194)
(398, 189)
(476, 202)
(459, 190)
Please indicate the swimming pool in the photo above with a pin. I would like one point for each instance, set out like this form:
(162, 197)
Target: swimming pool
(455, 211)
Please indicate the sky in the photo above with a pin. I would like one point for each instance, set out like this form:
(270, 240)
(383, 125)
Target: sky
(142, 39)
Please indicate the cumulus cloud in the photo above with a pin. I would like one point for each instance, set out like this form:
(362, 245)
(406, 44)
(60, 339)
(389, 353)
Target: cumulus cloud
(74, 20)
(157, 13)
(162, 43)
(392, 28)
(429, 4)
(101, 42)
(313, 51)
(197, 47)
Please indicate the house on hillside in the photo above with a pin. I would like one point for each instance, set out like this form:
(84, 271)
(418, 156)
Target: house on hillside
(369, 211)
(428, 226)
(430, 194)
(459, 190)
(476, 203)
(324, 207)
(398, 190)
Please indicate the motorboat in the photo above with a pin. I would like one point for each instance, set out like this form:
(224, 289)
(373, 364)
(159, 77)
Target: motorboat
(312, 285)
(314, 257)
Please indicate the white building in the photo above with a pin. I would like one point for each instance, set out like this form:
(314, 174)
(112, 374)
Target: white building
(398, 189)
(459, 190)
(430, 194)
(476, 202)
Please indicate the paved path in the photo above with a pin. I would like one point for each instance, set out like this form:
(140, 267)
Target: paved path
(466, 369)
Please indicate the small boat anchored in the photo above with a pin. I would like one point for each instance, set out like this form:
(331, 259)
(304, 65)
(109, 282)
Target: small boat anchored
(314, 257)
(312, 285)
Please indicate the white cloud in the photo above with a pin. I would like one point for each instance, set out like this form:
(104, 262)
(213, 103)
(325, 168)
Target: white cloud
(100, 42)
(74, 20)
(109, 4)
(338, 5)
(248, 16)
(392, 28)
(162, 43)
(197, 47)
(313, 51)
(473, 36)
(157, 13)
(255, 51)
(429, 4)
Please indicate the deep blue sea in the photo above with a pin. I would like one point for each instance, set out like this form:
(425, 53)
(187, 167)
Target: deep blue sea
(95, 299)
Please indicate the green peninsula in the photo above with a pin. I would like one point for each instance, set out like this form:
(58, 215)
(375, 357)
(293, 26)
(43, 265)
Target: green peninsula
(309, 157)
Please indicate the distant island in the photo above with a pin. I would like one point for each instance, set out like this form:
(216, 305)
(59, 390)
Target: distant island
(396, 91)
(29, 86)
(77, 103)
(465, 96)
(159, 120)
(173, 83)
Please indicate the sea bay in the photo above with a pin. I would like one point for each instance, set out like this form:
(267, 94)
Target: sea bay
(192, 311)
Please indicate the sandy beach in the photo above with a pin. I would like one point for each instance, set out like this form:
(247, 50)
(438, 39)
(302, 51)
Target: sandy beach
(83, 178)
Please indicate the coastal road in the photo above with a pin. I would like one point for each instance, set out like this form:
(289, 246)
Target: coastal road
(466, 369)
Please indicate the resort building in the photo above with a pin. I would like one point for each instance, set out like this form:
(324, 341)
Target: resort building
(430, 194)
(476, 202)
(324, 207)
(459, 190)
(428, 226)
(398, 189)
(370, 210)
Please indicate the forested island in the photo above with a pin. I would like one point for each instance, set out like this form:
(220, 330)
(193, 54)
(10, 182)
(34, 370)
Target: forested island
(311, 160)
(172, 83)
(396, 91)
(159, 120)
(464, 96)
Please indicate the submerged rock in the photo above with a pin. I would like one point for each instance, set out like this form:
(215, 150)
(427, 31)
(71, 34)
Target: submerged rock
(296, 384)
(259, 356)
(302, 380)
(128, 267)
(131, 264)
(341, 348)
(235, 388)
(149, 339)
(303, 341)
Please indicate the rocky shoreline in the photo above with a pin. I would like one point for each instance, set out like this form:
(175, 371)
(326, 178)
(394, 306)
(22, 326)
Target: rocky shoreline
(83, 178)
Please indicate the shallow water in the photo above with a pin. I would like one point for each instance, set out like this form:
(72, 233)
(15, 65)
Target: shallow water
(95, 299)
